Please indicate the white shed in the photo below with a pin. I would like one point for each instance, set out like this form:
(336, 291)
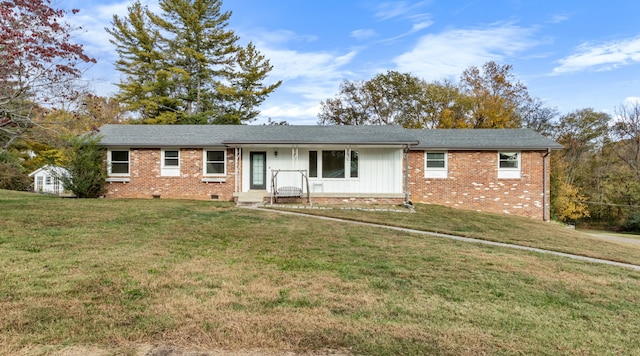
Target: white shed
(46, 179)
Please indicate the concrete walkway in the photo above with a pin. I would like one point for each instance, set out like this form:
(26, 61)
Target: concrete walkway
(471, 240)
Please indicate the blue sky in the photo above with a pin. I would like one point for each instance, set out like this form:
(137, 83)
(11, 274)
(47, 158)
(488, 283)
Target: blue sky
(571, 54)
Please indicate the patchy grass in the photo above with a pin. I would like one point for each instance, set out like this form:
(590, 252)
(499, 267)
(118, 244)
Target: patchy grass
(117, 274)
(626, 235)
(494, 227)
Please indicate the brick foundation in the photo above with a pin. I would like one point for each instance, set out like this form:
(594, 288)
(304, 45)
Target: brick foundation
(342, 200)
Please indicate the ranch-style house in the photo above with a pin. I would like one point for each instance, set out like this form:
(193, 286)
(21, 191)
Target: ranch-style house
(494, 170)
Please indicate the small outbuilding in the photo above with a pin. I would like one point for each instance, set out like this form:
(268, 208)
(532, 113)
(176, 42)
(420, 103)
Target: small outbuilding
(46, 179)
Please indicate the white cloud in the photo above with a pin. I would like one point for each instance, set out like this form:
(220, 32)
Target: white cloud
(602, 57)
(448, 54)
(420, 26)
(632, 100)
(363, 34)
(306, 112)
(388, 10)
(558, 18)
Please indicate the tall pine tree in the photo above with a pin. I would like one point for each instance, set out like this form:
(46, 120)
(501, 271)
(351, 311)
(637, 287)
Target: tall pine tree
(184, 66)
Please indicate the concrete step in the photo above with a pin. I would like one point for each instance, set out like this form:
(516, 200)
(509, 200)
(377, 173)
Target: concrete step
(252, 197)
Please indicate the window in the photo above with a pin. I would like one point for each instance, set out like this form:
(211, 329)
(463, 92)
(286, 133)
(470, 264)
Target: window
(118, 162)
(49, 180)
(354, 164)
(214, 163)
(313, 164)
(171, 158)
(333, 164)
(170, 166)
(508, 165)
(435, 165)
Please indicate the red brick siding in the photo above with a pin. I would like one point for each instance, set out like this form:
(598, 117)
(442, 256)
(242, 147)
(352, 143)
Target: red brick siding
(472, 183)
(146, 180)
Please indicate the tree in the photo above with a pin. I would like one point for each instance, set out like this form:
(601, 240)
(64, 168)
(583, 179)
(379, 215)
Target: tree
(36, 61)
(626, 131)
(581, 132)
(536, 116)
(446, 106)
(239, 98)
(184, 66)
(487, 98)
(86, 168)
(392, 98)
(496, 95)
(147, 81)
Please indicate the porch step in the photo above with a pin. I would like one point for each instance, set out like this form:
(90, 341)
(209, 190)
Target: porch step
(252, 197)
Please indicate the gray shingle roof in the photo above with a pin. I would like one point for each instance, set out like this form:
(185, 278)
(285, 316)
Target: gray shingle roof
(222, 135)
(215, 135)
(483, 139)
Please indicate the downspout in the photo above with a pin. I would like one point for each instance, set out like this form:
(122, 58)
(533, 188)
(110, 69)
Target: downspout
(407, 203)
(545, 216)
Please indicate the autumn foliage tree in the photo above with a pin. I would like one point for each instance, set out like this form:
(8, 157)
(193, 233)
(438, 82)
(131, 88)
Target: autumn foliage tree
(486, 97)
(497, 96)
(37, 60)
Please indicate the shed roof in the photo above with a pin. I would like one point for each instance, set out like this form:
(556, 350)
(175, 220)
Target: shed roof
(234, 135)
(50, 170)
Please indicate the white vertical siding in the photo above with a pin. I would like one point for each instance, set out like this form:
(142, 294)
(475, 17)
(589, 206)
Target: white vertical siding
(379, 170)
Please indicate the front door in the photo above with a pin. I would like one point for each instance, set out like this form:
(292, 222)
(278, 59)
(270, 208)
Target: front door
(258, 170)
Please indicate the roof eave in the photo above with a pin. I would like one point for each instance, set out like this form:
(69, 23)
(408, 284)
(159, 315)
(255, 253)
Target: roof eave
(488, 148)
(324, 143)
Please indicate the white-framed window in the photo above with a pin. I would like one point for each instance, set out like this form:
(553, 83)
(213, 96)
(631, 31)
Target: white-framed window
(435, 164)
(508, 165)
(118, 162)
(170, 162)
(215, 163)
(353, 163)
(49, 180)
(339, 164)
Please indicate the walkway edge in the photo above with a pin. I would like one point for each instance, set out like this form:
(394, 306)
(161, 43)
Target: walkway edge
(460, 238)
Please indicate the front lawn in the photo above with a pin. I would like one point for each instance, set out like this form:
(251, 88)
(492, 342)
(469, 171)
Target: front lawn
(116, 276)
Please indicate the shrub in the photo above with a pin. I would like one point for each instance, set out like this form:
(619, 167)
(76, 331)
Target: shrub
(12, 175)
(87, 173)
(632, 224)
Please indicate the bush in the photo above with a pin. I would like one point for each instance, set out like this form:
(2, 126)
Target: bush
(12, 175)
(86, 168)
(632, 224)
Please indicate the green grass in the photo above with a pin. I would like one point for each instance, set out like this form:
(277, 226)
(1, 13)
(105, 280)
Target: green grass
(495, 227)
(625, 235)
(119, 275)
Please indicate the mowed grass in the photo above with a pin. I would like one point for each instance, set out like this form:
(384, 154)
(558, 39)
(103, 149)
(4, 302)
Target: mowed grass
(113, 275)
(492, 227)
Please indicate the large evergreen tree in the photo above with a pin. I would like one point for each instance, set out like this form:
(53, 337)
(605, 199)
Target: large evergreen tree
(184, 65)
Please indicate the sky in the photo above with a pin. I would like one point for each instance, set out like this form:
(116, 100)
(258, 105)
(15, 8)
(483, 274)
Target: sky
(570, 54)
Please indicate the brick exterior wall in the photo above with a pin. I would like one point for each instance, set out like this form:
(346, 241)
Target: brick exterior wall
(472, 183)
(147, 182)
